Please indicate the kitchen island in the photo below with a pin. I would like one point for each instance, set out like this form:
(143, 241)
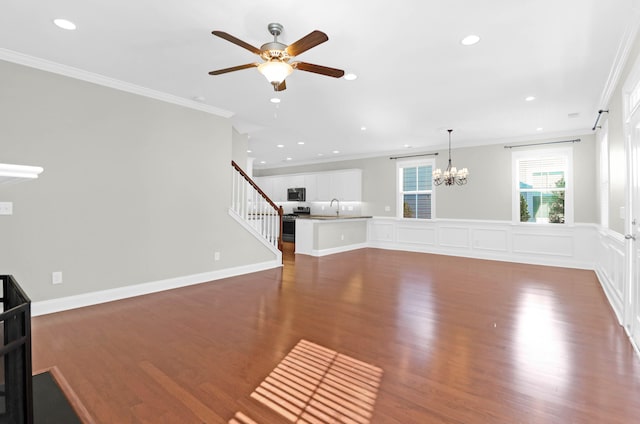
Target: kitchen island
(319, 235)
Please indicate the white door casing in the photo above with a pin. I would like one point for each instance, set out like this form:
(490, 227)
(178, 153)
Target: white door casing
(632, 236)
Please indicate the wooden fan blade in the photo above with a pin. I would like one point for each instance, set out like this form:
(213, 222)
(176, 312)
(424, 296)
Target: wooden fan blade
(280, 87)
(305, 43)
(235, 68)
(322, 70)
(237, 41)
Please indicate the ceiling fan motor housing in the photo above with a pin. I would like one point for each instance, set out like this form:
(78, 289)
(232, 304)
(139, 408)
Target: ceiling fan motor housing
(274, 50)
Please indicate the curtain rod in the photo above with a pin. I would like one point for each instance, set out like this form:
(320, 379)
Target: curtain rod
(577, 140)
(598, 118)
(413, 156)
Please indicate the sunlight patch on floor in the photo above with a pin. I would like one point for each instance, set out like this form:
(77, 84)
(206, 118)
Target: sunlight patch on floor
(313, 384)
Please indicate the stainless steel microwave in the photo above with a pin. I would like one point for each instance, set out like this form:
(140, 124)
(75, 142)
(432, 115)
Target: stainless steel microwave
(298, 194)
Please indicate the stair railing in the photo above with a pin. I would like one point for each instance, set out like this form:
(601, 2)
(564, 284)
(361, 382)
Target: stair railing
(254, 206)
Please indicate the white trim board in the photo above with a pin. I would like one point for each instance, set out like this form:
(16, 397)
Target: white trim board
(103, 296)
(620, 60)
(80, 74)
(334, 250)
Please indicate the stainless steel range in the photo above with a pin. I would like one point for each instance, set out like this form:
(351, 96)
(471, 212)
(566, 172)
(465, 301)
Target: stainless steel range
(289, 222)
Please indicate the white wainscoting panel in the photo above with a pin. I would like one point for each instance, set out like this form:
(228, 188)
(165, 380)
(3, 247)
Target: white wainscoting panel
(382, 232)
(490, 239)
(609, 266)
(543, 244)
(414, 234)
(454, 237)
(573, 246)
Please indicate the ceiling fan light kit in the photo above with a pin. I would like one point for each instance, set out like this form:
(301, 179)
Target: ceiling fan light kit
(276, 67)
(451, 175)
(275, 71)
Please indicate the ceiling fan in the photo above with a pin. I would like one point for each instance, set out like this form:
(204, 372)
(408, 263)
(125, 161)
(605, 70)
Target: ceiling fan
(277, 56)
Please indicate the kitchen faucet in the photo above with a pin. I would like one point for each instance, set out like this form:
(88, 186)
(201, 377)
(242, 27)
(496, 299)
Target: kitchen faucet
(338, 210)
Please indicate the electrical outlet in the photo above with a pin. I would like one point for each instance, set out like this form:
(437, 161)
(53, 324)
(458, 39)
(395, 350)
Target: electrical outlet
(387, 208)
(56, 277)
(6, 208)
(216, 256)
(341, 236)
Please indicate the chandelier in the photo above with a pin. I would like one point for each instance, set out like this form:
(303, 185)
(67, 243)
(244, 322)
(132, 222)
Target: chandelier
(451, 175)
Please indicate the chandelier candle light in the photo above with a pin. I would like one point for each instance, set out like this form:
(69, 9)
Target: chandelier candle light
(451, 175)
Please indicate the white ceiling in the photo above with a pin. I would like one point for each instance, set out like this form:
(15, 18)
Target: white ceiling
(415, 79)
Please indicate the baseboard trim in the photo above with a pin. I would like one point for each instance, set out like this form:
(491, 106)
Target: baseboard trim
(485, 255)
(606, 288)
(87, 299)
(341, 249)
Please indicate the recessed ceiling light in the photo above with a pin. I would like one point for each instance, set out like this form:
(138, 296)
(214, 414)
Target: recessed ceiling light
(249, 151)
(263, 162)
(289, 158)
(280, 145)
(539, 129)
(336, 151)
(407, 146)
(274, 100)
(301, 142)
(64, 24)
(529, 99)
(470, 40)
(350, 76)
(363, 128)
(320, 154)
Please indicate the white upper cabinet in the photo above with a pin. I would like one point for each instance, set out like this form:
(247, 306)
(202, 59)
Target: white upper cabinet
(311, 184)
(294, 181)
(324, 186)
(345, 185)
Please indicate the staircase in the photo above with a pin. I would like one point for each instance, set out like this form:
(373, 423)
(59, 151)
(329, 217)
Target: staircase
(255, 211)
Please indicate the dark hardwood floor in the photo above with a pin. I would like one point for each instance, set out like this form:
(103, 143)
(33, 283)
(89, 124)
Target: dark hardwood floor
(365, 336)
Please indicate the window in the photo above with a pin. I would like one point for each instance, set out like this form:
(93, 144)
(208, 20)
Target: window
(415, 195)
(542, 182)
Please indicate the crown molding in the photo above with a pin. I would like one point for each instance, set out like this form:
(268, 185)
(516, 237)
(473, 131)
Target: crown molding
(551, 136)
(80, 74)
(621, 57)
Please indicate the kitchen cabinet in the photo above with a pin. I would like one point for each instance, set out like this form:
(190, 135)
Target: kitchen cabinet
(311, 184)
(323, 182)
(344, 185)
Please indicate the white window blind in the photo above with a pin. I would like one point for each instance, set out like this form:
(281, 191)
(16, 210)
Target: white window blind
(416, 190)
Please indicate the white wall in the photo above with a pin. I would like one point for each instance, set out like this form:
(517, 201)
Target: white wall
(134, 190)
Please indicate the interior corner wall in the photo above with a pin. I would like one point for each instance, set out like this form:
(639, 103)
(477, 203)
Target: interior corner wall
(134, 190)
(239, 145)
